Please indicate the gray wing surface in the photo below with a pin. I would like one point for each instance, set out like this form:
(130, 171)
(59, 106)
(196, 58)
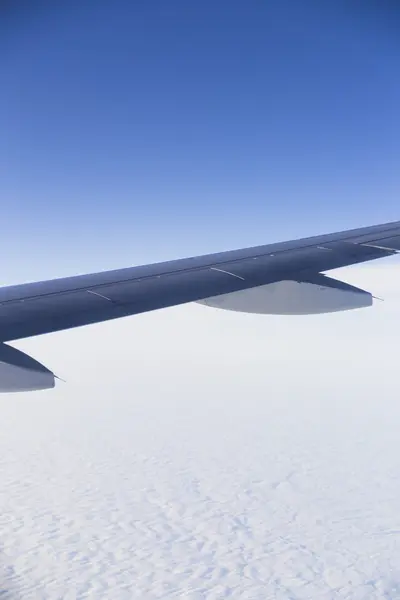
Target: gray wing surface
(47, 306)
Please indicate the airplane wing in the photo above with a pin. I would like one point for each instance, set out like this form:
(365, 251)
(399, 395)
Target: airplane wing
(36, 308)
(279, 278)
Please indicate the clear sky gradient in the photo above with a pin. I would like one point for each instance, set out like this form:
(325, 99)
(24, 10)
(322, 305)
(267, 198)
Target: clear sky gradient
(141, 131)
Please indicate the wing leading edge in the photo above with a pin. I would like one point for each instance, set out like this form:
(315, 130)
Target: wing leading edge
(48, 306)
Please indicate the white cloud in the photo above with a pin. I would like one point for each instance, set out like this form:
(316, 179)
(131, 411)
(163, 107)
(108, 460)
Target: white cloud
(195, 453)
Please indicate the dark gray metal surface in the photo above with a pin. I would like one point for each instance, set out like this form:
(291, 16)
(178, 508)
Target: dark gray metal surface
(43, 307)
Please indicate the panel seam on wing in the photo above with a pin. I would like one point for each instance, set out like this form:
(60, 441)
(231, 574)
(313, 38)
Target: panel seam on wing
(227, 273)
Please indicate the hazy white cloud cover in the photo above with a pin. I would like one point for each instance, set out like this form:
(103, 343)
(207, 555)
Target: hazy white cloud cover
(204, 454)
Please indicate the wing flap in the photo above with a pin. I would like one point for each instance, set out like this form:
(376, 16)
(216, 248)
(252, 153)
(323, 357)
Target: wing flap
(315, 295)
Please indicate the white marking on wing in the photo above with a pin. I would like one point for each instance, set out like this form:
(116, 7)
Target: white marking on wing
(227, 273)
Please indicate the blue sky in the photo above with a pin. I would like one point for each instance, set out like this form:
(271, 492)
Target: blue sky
(141, 131)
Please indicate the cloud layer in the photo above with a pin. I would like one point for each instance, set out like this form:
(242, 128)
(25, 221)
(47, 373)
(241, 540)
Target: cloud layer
(198, 453)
